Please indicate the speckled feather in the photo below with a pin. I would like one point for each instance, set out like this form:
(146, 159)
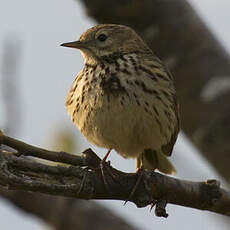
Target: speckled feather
(124, 98)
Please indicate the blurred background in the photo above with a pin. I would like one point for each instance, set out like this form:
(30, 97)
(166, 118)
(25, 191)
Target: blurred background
(35, 76)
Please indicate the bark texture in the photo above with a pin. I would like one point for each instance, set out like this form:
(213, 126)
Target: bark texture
(84, 179)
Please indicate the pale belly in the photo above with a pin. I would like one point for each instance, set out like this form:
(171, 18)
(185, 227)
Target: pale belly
(126, 128)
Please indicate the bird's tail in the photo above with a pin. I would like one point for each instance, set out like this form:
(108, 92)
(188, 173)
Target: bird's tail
(155, 160)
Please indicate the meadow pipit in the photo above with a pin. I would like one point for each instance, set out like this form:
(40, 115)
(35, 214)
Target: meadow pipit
(124, 97)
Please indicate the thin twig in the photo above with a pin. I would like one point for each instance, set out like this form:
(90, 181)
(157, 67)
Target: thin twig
(29, 150)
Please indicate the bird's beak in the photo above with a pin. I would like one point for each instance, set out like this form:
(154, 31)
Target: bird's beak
(75, 44)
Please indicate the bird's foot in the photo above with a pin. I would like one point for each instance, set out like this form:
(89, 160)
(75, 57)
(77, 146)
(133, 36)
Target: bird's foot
(105, 166)
(139, 174)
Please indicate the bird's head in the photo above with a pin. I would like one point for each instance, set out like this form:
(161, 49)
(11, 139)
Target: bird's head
(106, 40)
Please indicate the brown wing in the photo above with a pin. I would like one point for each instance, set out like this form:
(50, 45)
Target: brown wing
(168, 148)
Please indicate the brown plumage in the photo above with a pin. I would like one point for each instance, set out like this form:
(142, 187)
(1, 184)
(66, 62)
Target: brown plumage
(124, 97)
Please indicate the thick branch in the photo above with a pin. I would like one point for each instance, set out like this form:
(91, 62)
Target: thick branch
(85, 181)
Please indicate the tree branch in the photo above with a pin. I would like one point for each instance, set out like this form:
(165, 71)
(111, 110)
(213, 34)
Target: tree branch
(82, 179)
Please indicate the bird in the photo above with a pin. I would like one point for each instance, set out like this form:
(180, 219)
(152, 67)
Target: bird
(124, 98)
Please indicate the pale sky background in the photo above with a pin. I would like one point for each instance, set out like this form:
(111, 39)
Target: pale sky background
(46, 74)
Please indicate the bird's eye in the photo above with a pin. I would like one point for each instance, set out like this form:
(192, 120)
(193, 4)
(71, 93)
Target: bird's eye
(102, 37)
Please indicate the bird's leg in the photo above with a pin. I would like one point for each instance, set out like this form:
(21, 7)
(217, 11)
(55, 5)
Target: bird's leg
(139, 174)
(103, 165)
(106, 156)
